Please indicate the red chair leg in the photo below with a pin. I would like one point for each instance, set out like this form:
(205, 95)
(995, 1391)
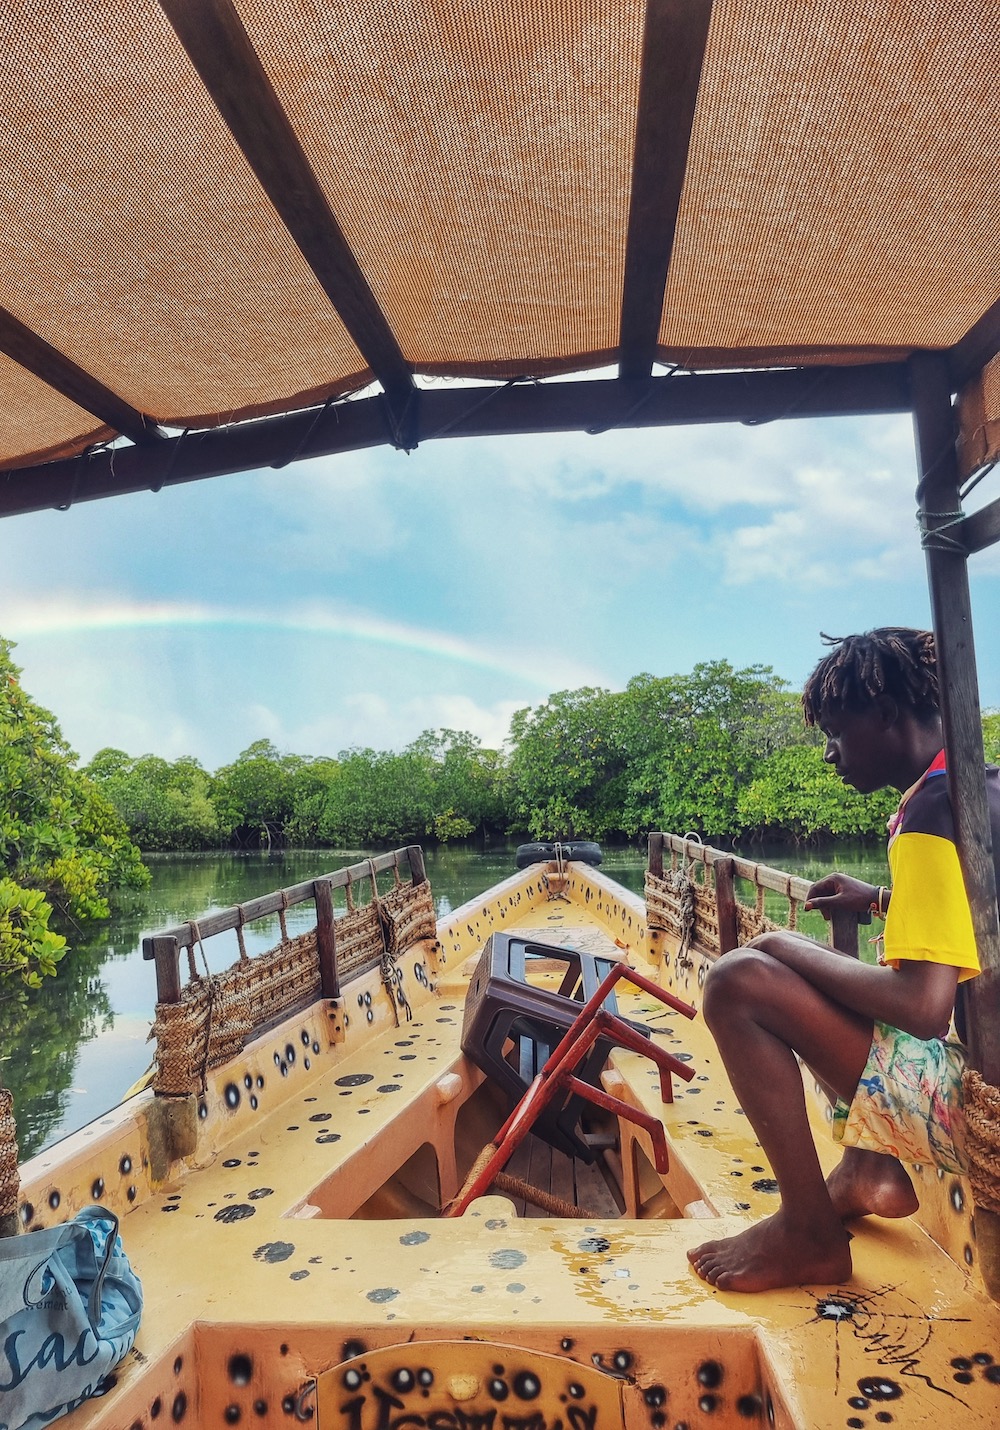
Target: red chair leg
(557, 1075)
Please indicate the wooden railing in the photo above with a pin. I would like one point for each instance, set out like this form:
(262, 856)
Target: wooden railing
(719, 873)
(164, 948)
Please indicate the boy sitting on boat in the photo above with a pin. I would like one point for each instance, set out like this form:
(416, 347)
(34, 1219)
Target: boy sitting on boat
(875, 1035)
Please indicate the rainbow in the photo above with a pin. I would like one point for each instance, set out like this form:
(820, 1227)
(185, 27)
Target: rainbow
(544, 668)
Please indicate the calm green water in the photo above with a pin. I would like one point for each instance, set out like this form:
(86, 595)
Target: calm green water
(70, 1050)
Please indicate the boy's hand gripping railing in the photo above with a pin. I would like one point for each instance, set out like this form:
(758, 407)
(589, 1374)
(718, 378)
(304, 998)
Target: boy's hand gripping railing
(557, 1076)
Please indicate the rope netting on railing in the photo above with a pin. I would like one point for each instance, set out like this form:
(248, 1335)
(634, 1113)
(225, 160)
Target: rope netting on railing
(679, 903)
(217, 1013)
(10, 1184)
(690, 899)
(751, 920)
(214, 1015)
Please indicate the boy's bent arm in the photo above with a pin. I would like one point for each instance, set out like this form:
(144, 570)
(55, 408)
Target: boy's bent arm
(916, 997)
(842, 891)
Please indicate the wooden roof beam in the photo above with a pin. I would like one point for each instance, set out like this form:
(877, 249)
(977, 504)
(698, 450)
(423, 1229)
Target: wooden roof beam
(673, 55)
(580, 406)
(980, 345)
(979, 529)
(220, 50)
(62, 375)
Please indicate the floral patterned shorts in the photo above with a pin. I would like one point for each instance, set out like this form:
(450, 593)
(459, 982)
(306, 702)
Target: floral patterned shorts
(908, 1101)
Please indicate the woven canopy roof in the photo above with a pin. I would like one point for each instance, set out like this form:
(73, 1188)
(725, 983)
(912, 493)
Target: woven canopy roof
(218, 210)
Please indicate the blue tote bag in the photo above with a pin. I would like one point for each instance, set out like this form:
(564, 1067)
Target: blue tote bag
(69, 1309)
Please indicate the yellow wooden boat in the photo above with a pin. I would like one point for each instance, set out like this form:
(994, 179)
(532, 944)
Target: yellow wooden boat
(282, 1200)
(239, 233)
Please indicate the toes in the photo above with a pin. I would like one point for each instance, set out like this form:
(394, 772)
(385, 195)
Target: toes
(705, 1263)
(698, 1253)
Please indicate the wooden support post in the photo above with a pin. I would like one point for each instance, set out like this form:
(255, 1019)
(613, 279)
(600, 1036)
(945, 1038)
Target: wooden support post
(326, 939)
(844, 931)
(656, 939)
(165, 950)
(418, 874)
(725, 904)
(939, 505)
(947, 573)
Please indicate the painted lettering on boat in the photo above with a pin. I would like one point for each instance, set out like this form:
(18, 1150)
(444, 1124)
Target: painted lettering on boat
(377, 1411)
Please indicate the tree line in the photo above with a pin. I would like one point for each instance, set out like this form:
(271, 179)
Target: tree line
(720, 751)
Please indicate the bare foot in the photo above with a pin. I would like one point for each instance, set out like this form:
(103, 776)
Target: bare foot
(770, 1254)
(866, 1183)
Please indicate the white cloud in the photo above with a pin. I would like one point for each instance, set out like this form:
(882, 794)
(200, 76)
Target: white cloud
(835, 527)
(369, 719)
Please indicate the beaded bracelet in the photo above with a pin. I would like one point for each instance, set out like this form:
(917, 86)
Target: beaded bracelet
(878, 905)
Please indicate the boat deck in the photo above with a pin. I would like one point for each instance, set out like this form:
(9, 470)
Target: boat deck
(256, 1281)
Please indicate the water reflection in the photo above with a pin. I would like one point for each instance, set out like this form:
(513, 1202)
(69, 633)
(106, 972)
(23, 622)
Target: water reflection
(73, 1047)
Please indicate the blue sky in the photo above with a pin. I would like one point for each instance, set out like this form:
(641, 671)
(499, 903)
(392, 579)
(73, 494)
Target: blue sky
(360, 599)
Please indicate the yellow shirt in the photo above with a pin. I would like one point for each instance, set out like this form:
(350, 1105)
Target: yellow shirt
(929, 917)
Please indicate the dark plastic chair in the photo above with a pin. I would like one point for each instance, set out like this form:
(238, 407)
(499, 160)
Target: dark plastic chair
(510, 1026)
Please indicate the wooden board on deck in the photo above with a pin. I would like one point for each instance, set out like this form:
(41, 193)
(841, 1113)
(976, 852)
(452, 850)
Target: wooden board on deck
(569, 1178)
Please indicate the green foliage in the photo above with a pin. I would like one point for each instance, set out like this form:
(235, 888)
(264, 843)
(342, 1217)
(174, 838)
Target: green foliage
(310, 783)
(465, 783)
(166, 806)
(669, 752)
(449, 825)
(254, 797)
(721, 751)
(793, 792)
(567, 768)
(63, 846)
(696, 738)
(378, 797)
(27, 945)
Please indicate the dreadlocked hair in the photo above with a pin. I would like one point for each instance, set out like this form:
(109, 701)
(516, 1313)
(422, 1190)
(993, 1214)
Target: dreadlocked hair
(895, 660)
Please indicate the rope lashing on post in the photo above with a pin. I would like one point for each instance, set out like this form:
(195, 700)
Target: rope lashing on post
(392, 974)
(681, 886)
(936, 537)
(756, 918)
(793, 909)
(982, 1139)
(671, 904)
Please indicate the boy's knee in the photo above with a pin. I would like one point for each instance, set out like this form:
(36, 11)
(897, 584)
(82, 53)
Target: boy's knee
(733, 982)
(763, 941)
